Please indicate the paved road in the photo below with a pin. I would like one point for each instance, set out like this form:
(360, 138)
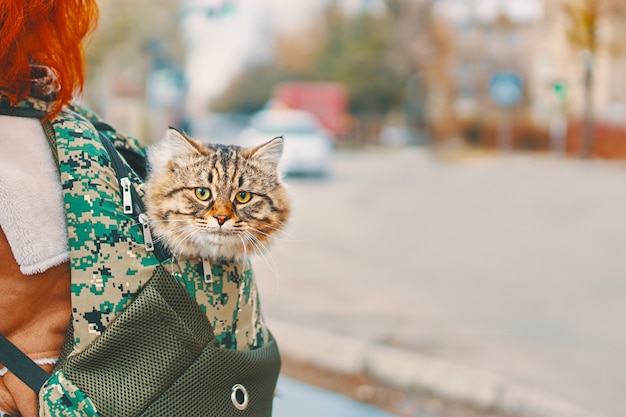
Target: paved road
(294, 399)
(515, 265)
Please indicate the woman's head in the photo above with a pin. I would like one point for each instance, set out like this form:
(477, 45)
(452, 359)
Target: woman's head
(48, 33)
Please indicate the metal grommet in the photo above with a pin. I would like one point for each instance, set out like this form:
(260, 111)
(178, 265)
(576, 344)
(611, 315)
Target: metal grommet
(239, 397)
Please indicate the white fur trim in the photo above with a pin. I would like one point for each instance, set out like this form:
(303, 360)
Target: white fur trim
(46, 361)
(32, 215)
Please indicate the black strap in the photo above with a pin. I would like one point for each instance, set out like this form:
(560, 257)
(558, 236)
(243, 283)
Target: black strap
(122, 170)
(14, 359)
(136, 161)
(21, 365)
(10, 356)
(6, 110)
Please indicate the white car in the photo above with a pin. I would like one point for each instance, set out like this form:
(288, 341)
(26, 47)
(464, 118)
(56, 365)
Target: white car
(308, 148)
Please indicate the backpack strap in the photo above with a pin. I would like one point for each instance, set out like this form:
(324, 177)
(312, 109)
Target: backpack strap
(131, 201)
(135, 160)
(13, 358)
(7, 110)
(21, 365)
(65, 129)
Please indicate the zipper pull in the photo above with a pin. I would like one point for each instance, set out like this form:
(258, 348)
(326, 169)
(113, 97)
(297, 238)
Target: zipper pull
(147, 235)
(208, 274)
(127, 199)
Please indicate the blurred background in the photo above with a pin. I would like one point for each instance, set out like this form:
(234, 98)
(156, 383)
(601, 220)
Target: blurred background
(456, 166)
(538, 75)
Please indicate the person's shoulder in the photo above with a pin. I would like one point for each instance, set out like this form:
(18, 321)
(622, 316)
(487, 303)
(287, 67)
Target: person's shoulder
(118, 138)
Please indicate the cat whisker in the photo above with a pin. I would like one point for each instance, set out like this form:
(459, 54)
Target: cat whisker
(178, 246)
(281, 231)
(270, 235)
(177, 229)
(250, 229)
(263, 251)
(256, 248)
(243, 245)
(167, 220)
(158, 239)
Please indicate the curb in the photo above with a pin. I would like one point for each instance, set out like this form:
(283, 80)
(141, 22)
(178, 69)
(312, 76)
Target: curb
(408, 371)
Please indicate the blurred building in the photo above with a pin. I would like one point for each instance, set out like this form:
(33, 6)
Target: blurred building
(127, 84)
(534, 39)
(556, 59)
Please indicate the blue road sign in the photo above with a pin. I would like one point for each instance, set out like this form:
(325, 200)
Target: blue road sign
(506, 88)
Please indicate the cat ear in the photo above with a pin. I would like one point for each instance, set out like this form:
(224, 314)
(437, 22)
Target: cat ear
(177, 143)
(269, 152)
(171, 147)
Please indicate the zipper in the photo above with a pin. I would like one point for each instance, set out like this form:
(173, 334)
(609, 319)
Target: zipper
(132, 202)
(127, 199)
(147, 234)
(208, 274)
(48, 130)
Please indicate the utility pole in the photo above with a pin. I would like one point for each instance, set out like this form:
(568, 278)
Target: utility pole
(589, 120)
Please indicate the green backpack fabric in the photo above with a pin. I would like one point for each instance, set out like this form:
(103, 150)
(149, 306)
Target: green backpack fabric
(148, 337)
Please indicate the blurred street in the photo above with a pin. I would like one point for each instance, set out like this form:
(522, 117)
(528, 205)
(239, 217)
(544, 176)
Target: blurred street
(474, 211)
(511, 264)
(296, 399)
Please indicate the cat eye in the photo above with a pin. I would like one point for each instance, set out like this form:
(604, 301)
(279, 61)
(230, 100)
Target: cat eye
(243, 197)
(203, 194)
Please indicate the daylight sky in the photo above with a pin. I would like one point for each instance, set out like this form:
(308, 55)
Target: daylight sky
(219, 47)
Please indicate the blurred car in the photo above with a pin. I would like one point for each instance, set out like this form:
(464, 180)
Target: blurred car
(308, 148)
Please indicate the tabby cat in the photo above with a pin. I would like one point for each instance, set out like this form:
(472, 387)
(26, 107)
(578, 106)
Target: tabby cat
(215, 201)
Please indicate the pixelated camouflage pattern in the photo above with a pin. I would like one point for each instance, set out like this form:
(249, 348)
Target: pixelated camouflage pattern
(230, 301)
(60, 398)
(32, 103)
(118, 139)
(109, 263)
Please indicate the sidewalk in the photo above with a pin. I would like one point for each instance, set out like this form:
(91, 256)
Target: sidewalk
(496, 280)
(295, 399)
(408, 371)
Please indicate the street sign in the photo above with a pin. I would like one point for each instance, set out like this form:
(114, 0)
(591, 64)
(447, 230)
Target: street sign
(506, 88)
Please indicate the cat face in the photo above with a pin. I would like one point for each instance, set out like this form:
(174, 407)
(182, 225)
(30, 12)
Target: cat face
(216, 201)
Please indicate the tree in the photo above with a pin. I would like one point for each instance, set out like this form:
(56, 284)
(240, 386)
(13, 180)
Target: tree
(352, 49)
(294, 56)
(356, 54)
(124, 35)
(249, 91)
(423, 49)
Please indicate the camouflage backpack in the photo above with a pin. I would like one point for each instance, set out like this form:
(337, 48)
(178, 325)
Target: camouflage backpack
(150, 335)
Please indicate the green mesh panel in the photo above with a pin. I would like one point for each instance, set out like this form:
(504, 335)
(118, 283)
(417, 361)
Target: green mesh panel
(159, 358)
(212, 378)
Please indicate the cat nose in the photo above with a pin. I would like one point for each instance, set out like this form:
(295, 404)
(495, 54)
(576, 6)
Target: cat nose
(221, 219)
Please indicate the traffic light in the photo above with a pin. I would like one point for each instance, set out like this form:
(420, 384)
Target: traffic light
(560, 90)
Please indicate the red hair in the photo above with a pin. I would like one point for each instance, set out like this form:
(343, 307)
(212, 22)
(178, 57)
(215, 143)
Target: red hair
(47, 33)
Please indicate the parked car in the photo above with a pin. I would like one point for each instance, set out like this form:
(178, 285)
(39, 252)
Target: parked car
(308, 148)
